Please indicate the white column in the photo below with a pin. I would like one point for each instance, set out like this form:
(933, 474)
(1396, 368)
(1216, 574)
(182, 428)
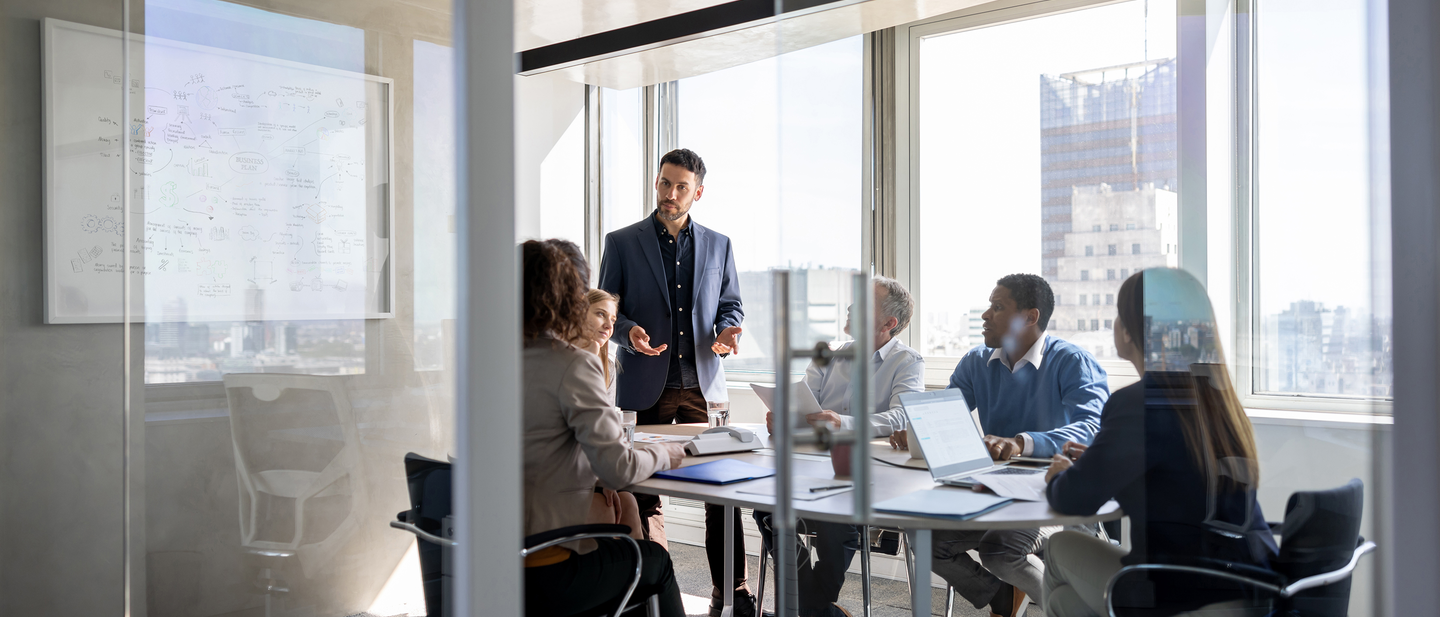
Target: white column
(488, 475)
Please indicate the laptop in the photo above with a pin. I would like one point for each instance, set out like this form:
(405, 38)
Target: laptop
(951, 440)
(802, 400)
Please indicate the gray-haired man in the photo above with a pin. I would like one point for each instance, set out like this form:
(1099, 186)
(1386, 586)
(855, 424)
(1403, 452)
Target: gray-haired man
(898, 369)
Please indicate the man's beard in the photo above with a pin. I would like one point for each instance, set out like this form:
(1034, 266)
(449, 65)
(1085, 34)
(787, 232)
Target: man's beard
(673, 217)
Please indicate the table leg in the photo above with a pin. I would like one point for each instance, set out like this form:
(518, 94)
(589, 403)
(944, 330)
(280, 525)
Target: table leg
(728, 579)
(865, 567)
(920, 584)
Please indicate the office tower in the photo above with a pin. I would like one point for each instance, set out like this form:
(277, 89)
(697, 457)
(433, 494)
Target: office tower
(1114, 125)
(1116, 233)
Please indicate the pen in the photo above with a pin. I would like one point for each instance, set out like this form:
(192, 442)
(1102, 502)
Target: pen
(817, 489)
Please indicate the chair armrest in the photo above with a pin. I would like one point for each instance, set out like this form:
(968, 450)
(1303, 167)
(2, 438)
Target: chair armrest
(422, 534)
(1334, 576)
(565, 535)
(1187, 569)
(532, 543)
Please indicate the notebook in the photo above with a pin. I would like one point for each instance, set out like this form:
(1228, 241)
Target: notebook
(956, 504)
(723, 471)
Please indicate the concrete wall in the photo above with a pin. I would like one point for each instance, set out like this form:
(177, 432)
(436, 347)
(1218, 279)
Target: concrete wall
(60, 386)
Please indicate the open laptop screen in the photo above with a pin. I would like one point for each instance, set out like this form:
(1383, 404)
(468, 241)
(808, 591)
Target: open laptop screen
(947, 435)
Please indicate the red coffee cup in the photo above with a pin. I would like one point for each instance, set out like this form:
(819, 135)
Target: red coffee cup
(840, 459)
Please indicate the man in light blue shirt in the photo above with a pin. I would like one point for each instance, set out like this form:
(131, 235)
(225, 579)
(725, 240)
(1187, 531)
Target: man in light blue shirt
(1034, 392)
(898, 369)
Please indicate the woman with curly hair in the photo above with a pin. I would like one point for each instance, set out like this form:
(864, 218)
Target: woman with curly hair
(573, 439)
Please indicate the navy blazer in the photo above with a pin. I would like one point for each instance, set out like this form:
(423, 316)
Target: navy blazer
(1140, 459)
(631, 268)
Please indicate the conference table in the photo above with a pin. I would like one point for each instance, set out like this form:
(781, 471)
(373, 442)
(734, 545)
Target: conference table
(898, 475)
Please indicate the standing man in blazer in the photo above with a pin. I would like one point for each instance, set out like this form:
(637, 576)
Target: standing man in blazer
(679, 314)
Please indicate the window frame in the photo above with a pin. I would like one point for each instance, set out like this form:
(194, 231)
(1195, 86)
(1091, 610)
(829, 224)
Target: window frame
(1216, 217)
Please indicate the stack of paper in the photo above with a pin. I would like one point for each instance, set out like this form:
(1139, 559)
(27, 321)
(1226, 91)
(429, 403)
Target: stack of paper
(958, 504)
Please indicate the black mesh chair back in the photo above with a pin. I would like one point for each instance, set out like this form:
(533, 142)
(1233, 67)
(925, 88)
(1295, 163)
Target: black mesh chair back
(430, 503)
(1319, 535)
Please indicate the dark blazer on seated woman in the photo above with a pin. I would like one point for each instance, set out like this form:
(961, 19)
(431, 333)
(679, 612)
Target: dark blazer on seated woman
(1140, 459)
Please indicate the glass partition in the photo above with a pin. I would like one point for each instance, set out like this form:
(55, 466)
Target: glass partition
(294, 220)
(1187, 143)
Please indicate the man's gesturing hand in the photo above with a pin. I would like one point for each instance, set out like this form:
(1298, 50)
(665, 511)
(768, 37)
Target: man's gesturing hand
(1003, 448)
(727, 342)
(641, 342)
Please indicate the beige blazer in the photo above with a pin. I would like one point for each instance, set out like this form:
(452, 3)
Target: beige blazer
(572, 437)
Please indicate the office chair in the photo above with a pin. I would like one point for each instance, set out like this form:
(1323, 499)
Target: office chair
(429, 518)
(295, 439)
(1320, 546)
(574, 533)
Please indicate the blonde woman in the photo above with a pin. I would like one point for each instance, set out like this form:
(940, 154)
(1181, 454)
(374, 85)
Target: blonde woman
(600, 324)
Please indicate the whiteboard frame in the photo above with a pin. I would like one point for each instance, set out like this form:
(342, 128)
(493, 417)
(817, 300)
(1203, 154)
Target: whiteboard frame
(47, 39)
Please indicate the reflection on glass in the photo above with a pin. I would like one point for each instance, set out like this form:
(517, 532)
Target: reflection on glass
(434, 203)
(283, 285)
(1089, 164)
(784, 184)
(1316, 329)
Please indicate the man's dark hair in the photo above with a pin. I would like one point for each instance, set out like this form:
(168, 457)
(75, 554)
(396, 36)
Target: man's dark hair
(683, 157)
(1030, 291)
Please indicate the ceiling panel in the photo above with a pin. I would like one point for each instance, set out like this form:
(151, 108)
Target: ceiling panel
(733, 48)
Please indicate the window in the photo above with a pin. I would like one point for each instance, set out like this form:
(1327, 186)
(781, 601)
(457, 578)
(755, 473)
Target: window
(1082, 299)
(1129, 227)
(1093, 148)
(763, 189)
(1111, 249)
(1124, 273)
(1134, 249)
(1110, 275)
(1107, 324)
(1109, 299)
(1094, 324)
(1316, 329)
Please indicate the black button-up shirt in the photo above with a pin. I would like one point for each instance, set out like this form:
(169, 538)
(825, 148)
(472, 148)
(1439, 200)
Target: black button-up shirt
(678, 256)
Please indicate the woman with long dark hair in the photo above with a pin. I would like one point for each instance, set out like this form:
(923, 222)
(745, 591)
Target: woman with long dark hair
(573, 439)
(1176, 451)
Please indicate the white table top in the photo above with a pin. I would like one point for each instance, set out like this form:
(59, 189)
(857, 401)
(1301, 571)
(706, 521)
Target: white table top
(888, 482)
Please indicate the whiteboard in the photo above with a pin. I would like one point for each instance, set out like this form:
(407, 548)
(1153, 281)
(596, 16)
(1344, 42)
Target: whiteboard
(260, 188)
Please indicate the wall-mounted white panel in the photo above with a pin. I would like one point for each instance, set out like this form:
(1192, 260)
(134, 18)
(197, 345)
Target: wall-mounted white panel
(260, 188)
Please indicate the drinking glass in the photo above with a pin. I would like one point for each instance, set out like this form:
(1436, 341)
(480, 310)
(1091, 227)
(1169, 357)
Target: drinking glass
(719, 412)
(627, 419)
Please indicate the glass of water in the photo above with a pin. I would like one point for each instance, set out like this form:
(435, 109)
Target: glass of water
(627, 419)
(719, 412)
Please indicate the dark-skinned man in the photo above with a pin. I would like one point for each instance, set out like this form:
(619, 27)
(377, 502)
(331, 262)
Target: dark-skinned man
(1034, 392)
(679, 314)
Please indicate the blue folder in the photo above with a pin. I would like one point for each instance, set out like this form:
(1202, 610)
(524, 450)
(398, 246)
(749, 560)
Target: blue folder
(723, 471)
(955, 504)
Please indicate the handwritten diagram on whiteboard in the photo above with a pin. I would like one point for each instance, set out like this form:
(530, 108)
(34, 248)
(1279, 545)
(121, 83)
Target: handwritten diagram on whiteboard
(259, 188)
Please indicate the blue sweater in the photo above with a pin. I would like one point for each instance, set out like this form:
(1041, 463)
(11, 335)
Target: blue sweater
(1058, 402)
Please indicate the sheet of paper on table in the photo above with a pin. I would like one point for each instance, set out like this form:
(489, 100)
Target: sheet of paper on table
(658, 438)
(1023, 487)
(800, 487)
